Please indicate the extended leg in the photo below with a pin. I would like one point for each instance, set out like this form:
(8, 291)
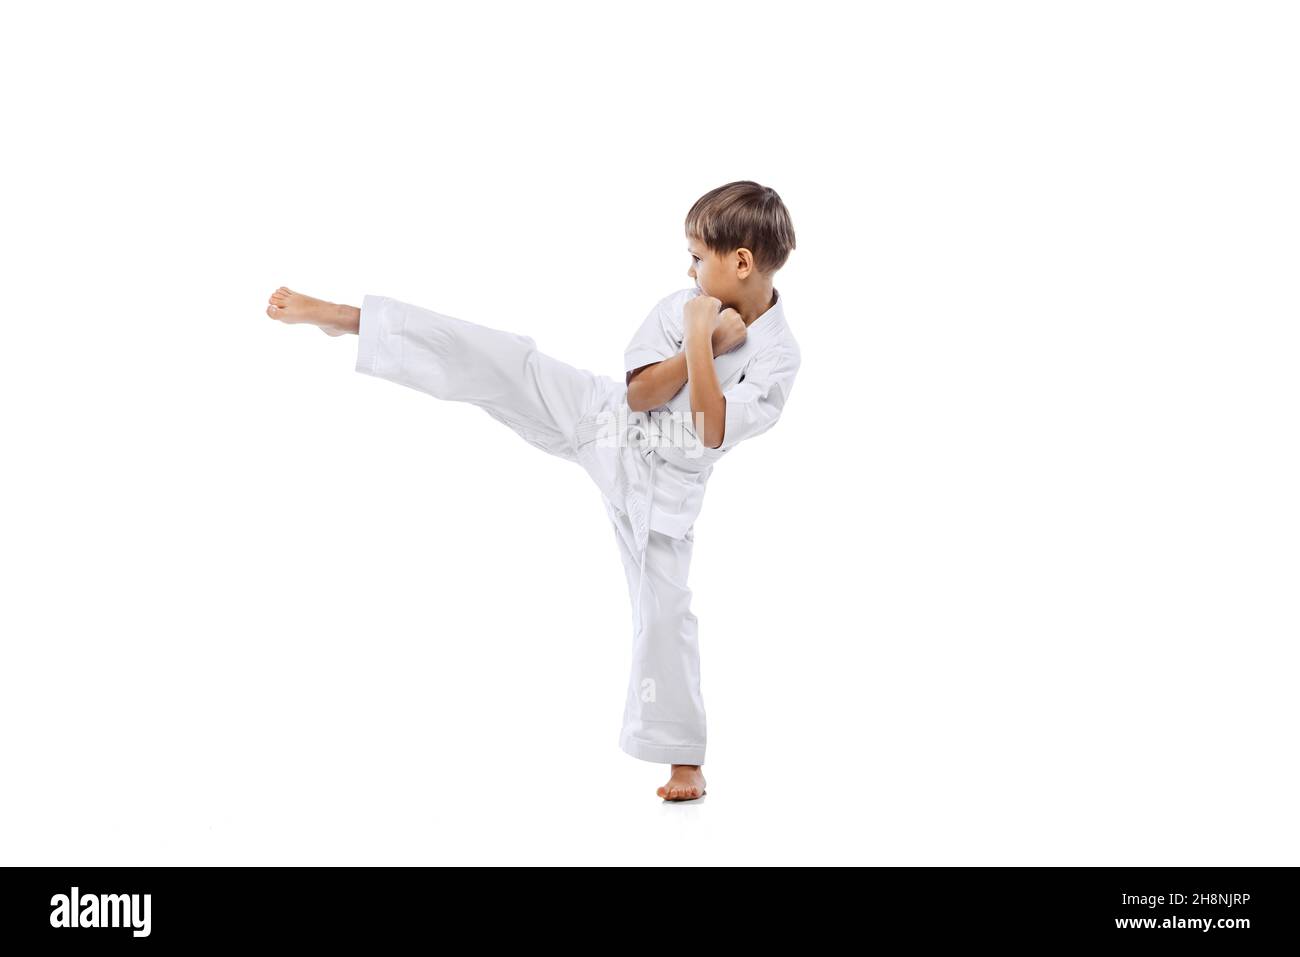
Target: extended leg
(538, 396)
(503, 373)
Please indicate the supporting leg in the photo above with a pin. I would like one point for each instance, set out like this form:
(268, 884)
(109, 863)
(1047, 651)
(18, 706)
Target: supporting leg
(664, 719)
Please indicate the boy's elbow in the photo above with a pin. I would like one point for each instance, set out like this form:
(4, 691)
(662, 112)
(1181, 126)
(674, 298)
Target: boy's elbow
(636, 400)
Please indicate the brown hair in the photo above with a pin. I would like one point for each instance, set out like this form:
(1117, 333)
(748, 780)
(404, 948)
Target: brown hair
(746, 214)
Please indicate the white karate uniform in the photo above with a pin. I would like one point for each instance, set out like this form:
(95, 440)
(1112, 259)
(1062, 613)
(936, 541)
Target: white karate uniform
(651, 478)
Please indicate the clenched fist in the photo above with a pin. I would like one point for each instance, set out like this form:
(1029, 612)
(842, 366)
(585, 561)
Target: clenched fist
(725, 328)
(730, 331)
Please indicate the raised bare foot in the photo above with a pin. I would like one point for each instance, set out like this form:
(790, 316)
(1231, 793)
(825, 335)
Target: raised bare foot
(332, 319)
(685, 784)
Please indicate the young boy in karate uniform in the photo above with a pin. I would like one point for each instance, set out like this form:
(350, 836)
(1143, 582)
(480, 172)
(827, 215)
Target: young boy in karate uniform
(710, 366)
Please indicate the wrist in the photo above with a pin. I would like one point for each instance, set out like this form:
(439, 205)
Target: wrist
(698, 330)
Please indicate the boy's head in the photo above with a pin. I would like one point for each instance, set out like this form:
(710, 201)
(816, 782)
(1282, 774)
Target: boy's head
(737, 236)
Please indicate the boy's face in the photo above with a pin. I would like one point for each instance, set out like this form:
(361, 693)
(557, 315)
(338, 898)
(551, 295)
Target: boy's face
(709, 271)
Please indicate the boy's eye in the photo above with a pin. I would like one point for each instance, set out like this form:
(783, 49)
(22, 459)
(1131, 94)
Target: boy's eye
(696, 258)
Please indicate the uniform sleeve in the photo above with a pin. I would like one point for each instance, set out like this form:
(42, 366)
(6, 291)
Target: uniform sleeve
(755, 402)
(657, 339)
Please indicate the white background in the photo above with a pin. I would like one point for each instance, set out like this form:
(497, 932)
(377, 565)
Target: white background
(1014, 580)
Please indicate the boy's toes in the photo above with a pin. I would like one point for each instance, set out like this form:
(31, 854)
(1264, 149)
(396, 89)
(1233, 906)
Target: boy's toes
(273, 311)
(681, 792)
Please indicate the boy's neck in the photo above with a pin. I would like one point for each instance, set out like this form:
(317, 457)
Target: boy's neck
(756, 303)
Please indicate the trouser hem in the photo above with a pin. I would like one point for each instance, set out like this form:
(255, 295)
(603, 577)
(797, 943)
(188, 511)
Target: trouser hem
(661, 753)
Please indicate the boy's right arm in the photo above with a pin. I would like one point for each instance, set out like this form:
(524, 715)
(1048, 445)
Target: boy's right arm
(652, 386)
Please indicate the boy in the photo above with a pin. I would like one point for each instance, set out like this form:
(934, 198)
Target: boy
(714, 364)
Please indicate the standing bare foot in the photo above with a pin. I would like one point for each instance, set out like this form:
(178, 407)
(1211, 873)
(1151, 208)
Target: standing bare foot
(332, 319)
(685, 784)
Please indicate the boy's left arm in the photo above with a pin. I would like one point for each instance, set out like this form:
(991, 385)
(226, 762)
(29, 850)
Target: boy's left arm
(701, 319)
(749, 407)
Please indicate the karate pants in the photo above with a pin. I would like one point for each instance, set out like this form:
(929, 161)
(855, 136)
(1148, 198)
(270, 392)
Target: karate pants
(543, 400)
